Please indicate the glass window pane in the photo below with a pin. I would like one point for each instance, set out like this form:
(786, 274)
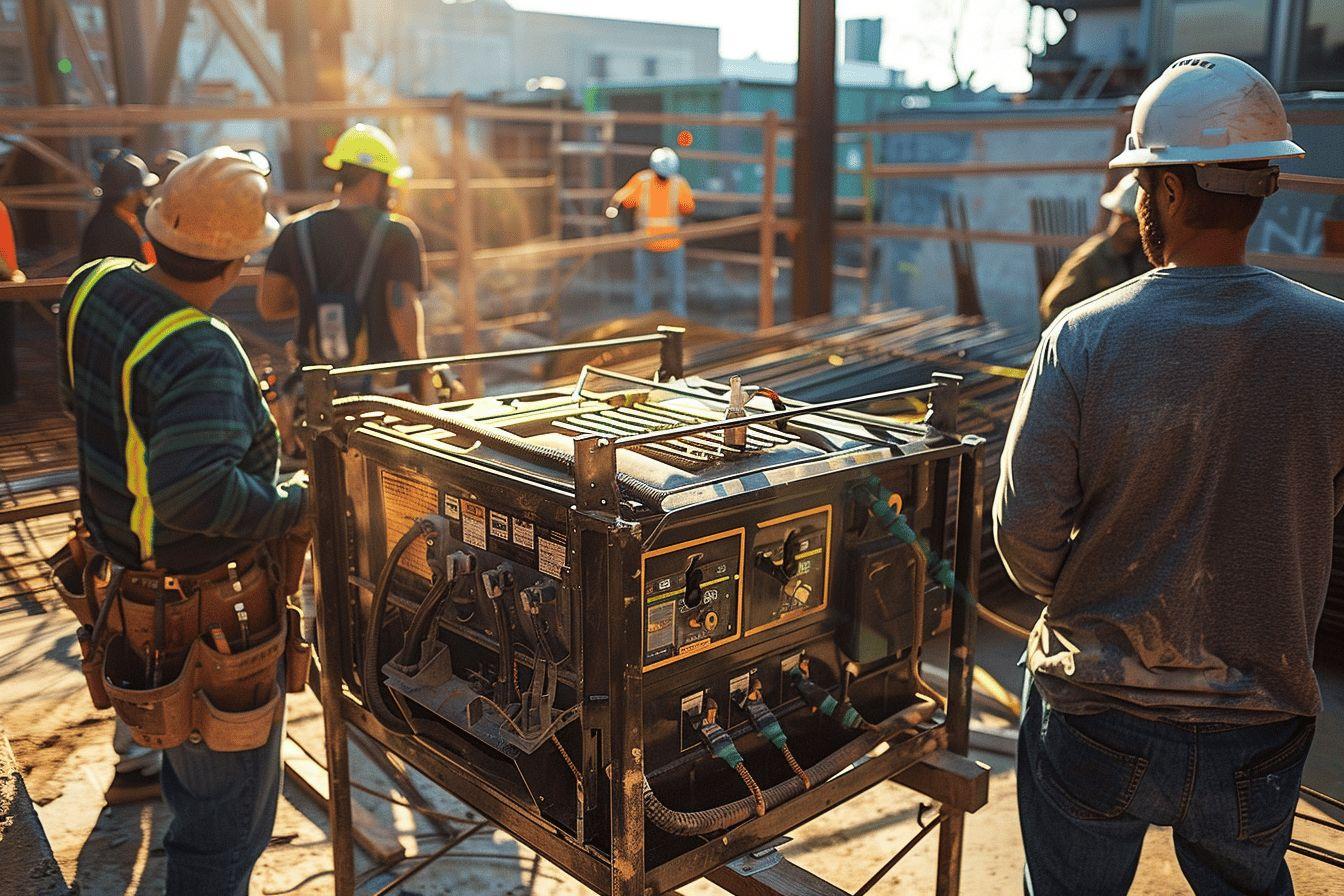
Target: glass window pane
(1237, 27)
(1320, 57)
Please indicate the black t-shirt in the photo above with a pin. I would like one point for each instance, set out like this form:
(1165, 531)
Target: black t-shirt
(107, 236)
(339, 238)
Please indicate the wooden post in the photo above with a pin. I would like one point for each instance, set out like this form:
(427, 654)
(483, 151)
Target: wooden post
(464, 229)
(557, 224)
(765, 312)
(869, 194)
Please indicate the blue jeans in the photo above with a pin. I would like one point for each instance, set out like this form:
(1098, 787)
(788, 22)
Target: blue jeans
(673, 264)
(223, 811)
(1088, 787)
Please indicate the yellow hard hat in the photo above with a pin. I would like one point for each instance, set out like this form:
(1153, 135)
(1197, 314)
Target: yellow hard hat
(213, 206)
(368, 147)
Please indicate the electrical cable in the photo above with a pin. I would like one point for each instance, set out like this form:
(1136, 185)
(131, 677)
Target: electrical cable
(769, 728)
(371, 669)
(719, 818)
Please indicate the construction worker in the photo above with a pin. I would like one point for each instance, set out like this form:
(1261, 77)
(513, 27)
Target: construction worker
(115, 230)
(1170, 483)
(177, 461)
(9, 271)
(165, 162)
(351, 270)
(1105, 259)
(661, 198)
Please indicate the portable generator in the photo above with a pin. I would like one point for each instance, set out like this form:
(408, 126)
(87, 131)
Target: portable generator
(648, 625)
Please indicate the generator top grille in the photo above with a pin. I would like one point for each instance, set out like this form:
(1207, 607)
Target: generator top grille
(651, 416)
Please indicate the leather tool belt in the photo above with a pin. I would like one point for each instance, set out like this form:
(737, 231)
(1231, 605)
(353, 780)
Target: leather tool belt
(194, 657)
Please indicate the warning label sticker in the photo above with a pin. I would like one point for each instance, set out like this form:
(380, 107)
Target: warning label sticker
(473, 524)
(499, 526)
(550, 557)
(406, 499)
(451, 508)
(661, 625)
(523, 534)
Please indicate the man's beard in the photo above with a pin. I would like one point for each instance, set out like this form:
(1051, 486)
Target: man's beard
(1151, 232)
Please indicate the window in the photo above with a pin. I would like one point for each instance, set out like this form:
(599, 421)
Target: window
(597, 66)
(1241, 28)
(650, 66)
(1320, 57)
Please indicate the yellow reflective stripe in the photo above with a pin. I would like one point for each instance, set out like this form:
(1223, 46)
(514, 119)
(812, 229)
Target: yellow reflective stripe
(137, 467)
(104, 267)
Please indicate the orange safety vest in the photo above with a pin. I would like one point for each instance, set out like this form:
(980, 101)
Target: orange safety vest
(8, 250)
(146, 247)
(659, 205)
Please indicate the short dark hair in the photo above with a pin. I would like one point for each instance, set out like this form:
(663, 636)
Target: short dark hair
(352, 175)
(187, 268)
(1214, 211)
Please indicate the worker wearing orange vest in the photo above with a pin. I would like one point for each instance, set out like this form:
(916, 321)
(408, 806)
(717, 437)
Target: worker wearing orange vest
(660, 197)
(115, 230)
(9, 270)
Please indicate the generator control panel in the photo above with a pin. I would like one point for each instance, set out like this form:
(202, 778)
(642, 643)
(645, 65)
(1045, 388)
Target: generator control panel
(692, 597)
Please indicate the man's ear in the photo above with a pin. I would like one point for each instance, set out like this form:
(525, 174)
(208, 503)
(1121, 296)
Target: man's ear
(230, 273)
(1171, 189)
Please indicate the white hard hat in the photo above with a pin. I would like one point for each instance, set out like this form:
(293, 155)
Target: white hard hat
(1207, 109)
(1123, 197)
(213, 206)
(664, 162)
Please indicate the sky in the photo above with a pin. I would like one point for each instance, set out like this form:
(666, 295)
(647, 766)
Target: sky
(916, 36)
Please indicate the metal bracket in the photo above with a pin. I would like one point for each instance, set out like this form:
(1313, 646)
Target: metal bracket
(671, 361)
(761, 859)
(595, 489)
(945, 404)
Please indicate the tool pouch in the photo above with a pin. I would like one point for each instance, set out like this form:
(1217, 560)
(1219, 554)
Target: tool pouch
(298, 653)
(68, 567)
(227, 700)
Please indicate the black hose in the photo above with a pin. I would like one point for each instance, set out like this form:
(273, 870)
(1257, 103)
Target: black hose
(719, 818)
(490, 436)
(371, 670)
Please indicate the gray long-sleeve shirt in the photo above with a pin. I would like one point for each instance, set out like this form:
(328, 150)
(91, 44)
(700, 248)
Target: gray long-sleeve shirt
(1169, 487)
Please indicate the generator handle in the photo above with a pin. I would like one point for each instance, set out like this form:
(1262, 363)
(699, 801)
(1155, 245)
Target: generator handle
(933, 389)
(670, 355)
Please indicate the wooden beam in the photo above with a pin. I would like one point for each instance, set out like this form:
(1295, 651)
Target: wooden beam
(245, 39)
(167, 49)
(372, 835)
(40, 29)
(464, 227)
(765, 303)
(83, 56)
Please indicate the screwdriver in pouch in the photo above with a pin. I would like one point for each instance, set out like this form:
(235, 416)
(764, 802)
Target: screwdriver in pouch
(240, 610)
(159, 625)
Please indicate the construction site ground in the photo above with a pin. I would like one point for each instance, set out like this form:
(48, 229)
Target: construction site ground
(63, 746)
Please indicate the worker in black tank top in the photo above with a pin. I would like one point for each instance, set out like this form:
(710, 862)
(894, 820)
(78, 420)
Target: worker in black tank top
(350, 270)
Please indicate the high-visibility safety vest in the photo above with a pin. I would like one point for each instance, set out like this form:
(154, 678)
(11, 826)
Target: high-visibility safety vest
(8, 250)
(659, 204)
(135, 449)
(147, 254)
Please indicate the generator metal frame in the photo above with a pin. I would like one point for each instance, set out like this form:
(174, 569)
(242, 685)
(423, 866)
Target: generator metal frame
(603, 544)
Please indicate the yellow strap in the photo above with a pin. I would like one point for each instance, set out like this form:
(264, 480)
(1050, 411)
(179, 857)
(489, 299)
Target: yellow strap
(104, 267)
(137, 466)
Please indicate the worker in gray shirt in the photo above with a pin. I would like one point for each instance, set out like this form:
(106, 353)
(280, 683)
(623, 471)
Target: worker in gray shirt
(1169, 488)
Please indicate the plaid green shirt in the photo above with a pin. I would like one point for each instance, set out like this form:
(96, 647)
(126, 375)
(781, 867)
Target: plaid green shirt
(178, 452)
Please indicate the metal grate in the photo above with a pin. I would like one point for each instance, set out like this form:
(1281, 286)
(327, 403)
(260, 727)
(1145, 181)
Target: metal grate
(644, 417)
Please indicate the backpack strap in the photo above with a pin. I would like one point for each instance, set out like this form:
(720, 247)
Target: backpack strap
(306, 253)
(370, 258)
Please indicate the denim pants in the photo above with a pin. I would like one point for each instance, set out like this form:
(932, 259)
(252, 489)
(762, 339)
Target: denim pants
(673, 266)
(223, 811)
(1088, 787)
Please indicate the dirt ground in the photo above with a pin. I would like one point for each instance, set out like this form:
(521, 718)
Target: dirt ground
(63, 747)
